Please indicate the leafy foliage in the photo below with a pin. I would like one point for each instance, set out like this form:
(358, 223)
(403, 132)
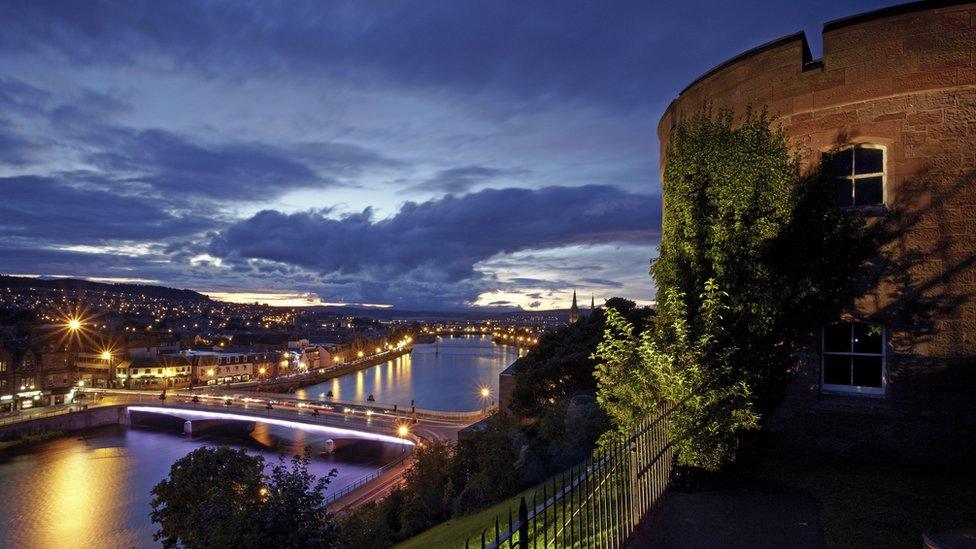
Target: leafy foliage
(633, 367)
(561, 365)
(754, 257)
(220, 497)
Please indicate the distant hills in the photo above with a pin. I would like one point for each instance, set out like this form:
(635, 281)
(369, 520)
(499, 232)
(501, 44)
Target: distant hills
(79, 285)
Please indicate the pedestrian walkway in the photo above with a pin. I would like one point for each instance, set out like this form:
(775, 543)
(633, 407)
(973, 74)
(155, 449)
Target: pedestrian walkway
(740, 517)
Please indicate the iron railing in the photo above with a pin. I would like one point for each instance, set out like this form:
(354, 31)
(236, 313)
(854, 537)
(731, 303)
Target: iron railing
(597, 503)
(363, 481)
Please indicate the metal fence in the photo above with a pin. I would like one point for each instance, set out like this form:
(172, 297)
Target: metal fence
(597, 503)
(364, 480)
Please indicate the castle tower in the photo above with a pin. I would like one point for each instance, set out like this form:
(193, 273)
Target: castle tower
(574, 310)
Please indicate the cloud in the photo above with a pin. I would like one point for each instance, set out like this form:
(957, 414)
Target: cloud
(85, 210)
(15, 149)
(234, 171)
(536, 51)
(426, 253)
(462, 179)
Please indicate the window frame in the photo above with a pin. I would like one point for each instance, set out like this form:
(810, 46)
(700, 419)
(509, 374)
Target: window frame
(877, 392)
(853, 177)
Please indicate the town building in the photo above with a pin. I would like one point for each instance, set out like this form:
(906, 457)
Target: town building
(891, 107)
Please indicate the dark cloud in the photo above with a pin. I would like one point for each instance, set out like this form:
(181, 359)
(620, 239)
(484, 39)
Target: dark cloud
(537, 51)
(18, 96)
(431, 248)
(175, 165)
(233, 171)
(47, 208)
(462, 179)
(602, 282)
(15, 149)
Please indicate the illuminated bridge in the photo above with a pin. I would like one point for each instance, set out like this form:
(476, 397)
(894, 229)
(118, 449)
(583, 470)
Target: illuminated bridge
(196, 419)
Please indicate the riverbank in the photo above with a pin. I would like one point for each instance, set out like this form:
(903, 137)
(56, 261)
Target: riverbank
(290, 384)
(28, 440)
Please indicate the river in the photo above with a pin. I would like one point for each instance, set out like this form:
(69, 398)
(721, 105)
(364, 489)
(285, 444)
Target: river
(92, 489)
(447, 375)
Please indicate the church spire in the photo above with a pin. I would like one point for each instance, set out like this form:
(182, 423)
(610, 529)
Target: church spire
(574, 310)
(592, 303)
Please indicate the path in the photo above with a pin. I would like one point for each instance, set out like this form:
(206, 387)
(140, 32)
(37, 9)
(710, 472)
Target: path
(741, 517)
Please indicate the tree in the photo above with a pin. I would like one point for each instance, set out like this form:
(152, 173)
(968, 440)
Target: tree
(428, 488)
(220, 497)
(754, 257)
(561, 365)
(293, 511)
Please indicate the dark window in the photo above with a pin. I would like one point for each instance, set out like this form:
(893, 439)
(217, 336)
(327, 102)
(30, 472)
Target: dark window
(853, 357)
(858, 175)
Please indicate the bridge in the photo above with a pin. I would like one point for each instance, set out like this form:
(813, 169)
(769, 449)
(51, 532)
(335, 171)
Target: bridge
(336, 420)
(191, 415)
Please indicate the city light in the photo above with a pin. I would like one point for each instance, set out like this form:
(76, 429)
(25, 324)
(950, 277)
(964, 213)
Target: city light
(106, 355)
(485, 392)
(403, 431)
(74, 324)
(210, 372)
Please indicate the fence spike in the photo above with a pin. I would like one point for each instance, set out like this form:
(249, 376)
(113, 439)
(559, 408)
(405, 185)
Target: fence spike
(523, 525)
(496, 531)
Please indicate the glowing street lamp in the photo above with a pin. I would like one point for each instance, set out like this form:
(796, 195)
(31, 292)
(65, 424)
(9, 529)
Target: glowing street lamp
(485, 393)
(403, 431)
(106, 355)
(74, 324)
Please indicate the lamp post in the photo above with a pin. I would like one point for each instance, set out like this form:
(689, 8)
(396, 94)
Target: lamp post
(403, 432)
(486, 396)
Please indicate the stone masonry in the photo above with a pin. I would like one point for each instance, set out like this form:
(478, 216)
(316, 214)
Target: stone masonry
(902, 78)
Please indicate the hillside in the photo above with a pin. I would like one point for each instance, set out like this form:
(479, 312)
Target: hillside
(78, 285)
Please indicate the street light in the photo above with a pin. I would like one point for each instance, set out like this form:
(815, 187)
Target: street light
(403, 431)
(74, 324)
(106, 355)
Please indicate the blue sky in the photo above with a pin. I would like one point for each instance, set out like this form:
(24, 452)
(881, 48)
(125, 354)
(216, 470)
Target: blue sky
(434, 155)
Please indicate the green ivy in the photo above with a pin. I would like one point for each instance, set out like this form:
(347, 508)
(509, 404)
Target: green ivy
(754, 258)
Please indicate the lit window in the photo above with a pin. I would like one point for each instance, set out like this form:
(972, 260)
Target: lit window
(854, 358)
(858, 175)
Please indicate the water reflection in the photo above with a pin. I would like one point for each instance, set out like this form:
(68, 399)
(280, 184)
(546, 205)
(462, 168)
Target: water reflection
(94, 490)
(446, 375)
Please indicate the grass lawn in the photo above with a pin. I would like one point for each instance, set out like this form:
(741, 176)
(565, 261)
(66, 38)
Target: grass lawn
(453, 533)
(874, 505)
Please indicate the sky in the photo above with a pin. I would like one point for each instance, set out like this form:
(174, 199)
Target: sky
(434, 155)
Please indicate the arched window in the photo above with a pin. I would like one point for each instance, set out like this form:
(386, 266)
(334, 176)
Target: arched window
(854, 358)
(858, 173)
